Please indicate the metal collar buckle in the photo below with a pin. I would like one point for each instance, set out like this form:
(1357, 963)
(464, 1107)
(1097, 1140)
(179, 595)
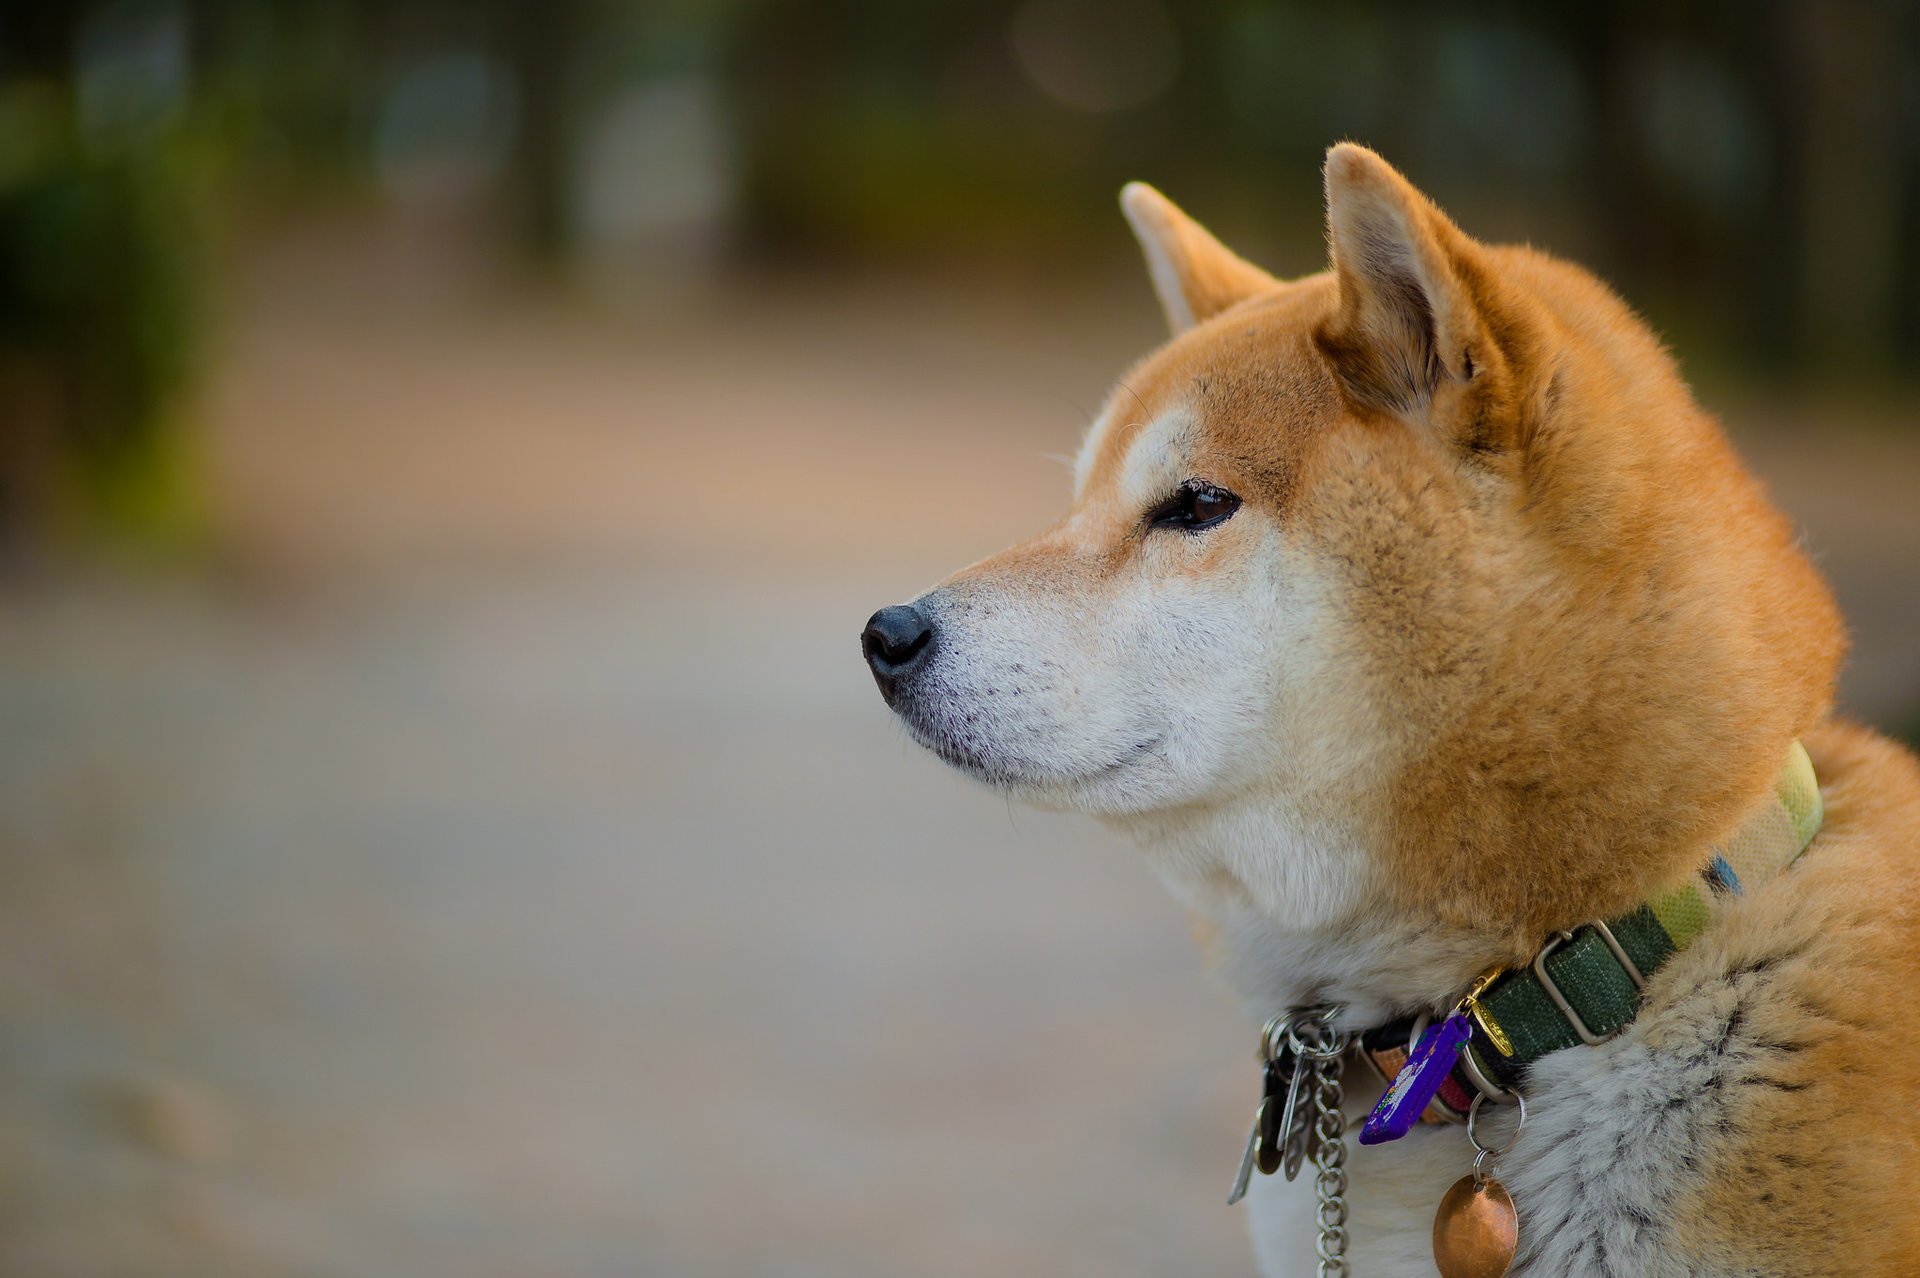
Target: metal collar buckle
(1552, 988)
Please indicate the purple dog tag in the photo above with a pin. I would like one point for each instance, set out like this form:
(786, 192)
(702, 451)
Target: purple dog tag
(1427, 1067)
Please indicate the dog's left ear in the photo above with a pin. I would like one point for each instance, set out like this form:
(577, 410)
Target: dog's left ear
(1414, 327)
(1195, 275)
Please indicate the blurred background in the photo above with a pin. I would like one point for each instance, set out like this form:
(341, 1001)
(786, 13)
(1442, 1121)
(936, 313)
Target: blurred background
(447, 452)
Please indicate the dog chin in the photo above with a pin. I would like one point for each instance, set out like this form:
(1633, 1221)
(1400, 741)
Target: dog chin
(1125, 782)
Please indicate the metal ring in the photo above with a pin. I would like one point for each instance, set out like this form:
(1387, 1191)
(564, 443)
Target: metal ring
(1473, 1112)
(1273, 1035)
(1483, 1085)
(1331, 1047)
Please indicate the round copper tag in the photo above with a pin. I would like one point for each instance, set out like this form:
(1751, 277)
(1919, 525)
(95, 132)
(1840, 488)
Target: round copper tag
(1476, 1230)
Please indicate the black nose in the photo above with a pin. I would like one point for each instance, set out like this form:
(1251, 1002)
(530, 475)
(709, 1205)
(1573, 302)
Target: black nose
(895, 641)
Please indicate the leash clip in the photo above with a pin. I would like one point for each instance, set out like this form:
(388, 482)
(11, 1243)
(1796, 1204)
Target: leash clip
(1481, 1015)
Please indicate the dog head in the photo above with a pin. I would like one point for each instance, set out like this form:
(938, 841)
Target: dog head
(1422, 577)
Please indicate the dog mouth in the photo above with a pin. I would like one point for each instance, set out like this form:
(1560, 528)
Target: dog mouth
(985, 762)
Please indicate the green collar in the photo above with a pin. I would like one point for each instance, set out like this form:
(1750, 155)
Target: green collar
(1584, 986)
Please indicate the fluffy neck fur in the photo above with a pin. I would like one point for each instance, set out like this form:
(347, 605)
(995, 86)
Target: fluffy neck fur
(1296, 912)
(1289, 898)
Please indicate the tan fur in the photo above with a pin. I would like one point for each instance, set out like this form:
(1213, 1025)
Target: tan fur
(1589, 640)
(1196, 276)
(1561, 648)
(1821, 1177)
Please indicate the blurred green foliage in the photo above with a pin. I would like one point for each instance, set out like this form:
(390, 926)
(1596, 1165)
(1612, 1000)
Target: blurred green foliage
(1746, 170)
(101, 259)
(103, 264)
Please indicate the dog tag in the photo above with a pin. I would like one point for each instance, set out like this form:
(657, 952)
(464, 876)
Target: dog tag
(1476, 1231)
(1413, 1087)
(1296, 1122)
(1273, 1128)
(1245, 1176)
(1267, 1143)
(1266, 1140)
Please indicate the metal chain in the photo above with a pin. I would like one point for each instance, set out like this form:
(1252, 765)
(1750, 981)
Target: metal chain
(1320, 1048)
(1330, 1157)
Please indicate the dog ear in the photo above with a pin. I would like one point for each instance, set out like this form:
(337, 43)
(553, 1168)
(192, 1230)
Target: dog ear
(1412, 330)
(1195, 275)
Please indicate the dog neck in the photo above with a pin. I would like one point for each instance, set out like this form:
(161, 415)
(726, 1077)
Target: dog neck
(1297, 903)
(1373, 965)
(1292, 900)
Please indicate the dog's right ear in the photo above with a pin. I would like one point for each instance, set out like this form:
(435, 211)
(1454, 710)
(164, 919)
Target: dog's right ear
(1195, 275)
(1420, 327)
(1405, 320)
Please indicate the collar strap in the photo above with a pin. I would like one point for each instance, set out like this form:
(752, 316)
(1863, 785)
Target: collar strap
(1583, 986)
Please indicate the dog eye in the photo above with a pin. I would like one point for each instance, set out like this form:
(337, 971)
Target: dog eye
(1194, 505)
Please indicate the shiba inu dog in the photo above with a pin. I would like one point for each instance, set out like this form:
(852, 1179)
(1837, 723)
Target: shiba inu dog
(1416, 620)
